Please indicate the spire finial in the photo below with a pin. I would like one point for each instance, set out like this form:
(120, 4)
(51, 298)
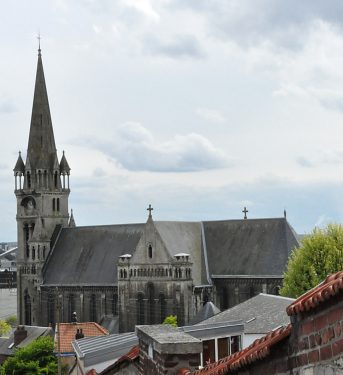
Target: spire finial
(19, 153)
(39, 38)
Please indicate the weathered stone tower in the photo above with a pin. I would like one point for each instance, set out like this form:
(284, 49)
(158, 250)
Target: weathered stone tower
(42, 191)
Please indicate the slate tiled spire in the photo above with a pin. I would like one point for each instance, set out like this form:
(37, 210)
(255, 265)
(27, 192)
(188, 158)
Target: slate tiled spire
(41, 147)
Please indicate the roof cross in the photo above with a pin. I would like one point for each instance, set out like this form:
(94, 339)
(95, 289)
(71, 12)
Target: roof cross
(149, 209)
(245, 211)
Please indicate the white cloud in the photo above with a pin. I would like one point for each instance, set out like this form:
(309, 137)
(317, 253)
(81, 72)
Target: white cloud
(175, 47)
(135, 148)
(143, 6)
(211, 115)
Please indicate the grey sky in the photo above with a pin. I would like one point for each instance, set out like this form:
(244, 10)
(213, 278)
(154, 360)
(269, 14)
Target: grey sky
(197, 107)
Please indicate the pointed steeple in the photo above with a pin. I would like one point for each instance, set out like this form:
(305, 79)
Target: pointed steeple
(20, 166)
(64, 166)
(72, 220)
(41, 148)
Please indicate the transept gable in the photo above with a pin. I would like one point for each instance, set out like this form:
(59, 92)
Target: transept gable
(151, 247)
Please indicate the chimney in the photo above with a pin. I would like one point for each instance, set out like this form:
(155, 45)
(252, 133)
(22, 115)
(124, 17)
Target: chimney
(20, 334)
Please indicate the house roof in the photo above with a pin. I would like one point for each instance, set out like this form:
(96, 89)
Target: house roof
(254, 246)
(69, 330)
(33, 332)
(325, 290)
(129, 357)
(99, 349)
(260, 314)
(259, 349)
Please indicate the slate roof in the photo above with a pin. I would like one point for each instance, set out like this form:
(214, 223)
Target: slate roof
(89, 255)
(33, 332)
(249, 247)
(206, 312)
(260, 314)
(184, 237)
(234, 247)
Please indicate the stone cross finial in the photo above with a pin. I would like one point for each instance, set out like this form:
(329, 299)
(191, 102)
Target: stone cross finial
(150, 209)
(245, 211)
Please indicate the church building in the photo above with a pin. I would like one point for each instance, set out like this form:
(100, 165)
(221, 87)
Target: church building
(128, 274)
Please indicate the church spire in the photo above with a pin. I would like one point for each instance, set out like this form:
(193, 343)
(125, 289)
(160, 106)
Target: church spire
(41, 147)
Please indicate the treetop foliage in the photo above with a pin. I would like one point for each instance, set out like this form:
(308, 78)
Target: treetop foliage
(35, 359)
(171, 319)
(319, 254)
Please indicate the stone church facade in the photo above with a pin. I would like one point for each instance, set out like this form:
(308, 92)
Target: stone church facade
(123, 275)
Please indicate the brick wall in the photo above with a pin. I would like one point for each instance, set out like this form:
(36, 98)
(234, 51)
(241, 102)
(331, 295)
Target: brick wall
(315, 345)
(318, 335)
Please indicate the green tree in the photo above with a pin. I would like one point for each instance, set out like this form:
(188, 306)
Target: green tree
(171, 319)
(320, 254)
(35, 359)
(4, 328)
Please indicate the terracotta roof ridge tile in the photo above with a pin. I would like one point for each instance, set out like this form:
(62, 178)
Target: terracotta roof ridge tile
(325, 290)
(259, 349)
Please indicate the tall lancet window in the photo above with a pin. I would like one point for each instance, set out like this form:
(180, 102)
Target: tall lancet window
(151, 304)
(27, 308)
(150, 251)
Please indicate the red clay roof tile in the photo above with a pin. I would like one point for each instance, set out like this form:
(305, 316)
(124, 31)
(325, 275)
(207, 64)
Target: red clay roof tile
(259, 349)
(68, 332)
(128, 357)
(328, 288)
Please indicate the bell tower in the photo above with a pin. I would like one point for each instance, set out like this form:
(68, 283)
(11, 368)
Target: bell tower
(42, 191)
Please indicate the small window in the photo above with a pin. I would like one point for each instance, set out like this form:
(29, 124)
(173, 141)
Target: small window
(53, 204)
(33, 253)
(28, 180)
(58, 204)
(150, 251)
(55, 179)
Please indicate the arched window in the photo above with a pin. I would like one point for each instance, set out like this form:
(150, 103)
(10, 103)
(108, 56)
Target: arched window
(58, 204)
(92, 308)
(27, 236)
(150, 251)
(27, 304)
(151, 303)
(53, 204)
(140, 309)
(115, 304)
(56, 179)
(28, 179)
(163, 307)
(44, 252)
(134, 272)
(33, 253)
